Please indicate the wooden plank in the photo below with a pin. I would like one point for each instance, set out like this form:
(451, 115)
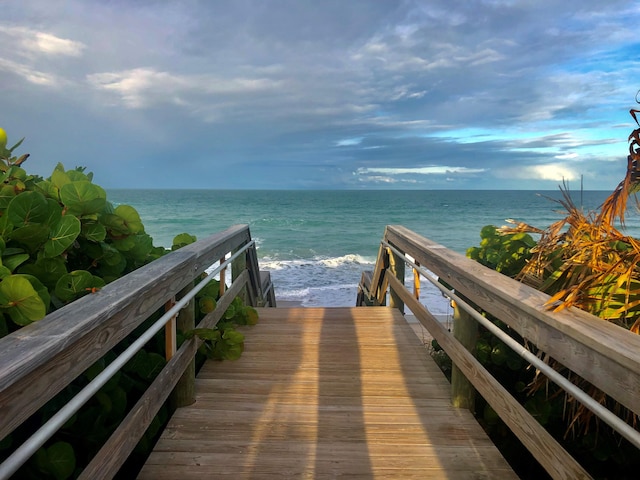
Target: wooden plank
(350, 394)
(604, 354)
(555, 459)
(121, 443)
(41, 359)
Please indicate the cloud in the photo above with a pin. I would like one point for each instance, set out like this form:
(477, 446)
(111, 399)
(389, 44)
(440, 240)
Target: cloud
(146, 87)
(43, 43)
(556, 172)
(412, 94)
(430, 170)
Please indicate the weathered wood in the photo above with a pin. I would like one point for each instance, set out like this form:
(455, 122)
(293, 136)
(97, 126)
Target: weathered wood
(556, 461)
(268, 291)
(238, 266)
(465, 330)
(184, 392)
(396, 269)
(364, 289)
(604, 354)
(170, 334)
(254, 285)
(116, 450)
(41, 359)
(325, 393)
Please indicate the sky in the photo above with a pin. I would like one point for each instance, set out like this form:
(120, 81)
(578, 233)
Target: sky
(331, 94)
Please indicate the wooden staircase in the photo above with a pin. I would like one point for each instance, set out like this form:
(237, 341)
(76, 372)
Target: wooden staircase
(325, 393)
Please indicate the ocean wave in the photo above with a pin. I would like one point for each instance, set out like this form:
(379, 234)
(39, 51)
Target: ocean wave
(350, 258)
(333, 281)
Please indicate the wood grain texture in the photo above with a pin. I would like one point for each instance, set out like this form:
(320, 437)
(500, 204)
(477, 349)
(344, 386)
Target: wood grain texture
(555, 459)
(119, 446)
(41, 359)
(325, 393)
(604, 354)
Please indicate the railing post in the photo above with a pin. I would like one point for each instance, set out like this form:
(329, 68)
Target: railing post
(465, 330)
(238, 266)
(396, 268)
(185, 391)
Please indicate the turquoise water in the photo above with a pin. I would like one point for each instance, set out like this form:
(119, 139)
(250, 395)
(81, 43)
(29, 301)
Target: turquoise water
(317, 243)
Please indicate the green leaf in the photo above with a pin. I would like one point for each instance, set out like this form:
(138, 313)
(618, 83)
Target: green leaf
(76, 284)
(62, 460)
(21, 300)
(251, 315)
(47, 270)
(211, 289)
(14, 261)
(125, 244)
(146, 365)
(115, 225)
(59, 178)
(182, 240)
(211, 334)
(233, 337)
(32, 236)
(93, 231)
(82, 198)
(7, 193)
(207, 304)
(28, 208)
(62, 236)
(131, 218)
(143, 244)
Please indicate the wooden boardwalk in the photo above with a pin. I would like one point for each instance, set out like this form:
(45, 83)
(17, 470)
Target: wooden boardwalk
(325, 393)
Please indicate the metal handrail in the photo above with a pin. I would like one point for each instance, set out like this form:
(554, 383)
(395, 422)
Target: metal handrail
(46, 431)
(606, 415)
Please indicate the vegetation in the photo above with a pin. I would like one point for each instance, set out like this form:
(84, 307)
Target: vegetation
(61, 239)
(582, 260)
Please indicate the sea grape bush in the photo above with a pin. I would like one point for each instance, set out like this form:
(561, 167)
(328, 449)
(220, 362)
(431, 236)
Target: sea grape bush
(599, 450)
(61, 239)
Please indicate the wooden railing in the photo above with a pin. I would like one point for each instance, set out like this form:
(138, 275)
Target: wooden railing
(39, 360)
(604, 354)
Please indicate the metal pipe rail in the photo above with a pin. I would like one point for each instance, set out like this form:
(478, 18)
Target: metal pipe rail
(604, 354)
(114, 312)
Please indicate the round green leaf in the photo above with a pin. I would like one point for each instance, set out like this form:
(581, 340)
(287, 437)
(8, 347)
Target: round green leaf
(182, 240)
(143, 244)
(75, 284)
(62, 236)
(32, 236)
(82, 198)
(47, 270)
(207, 304)
(7, 193)
(93, 231)
(114, 224)
(21, 300)
(59, 178)
(27, 208)
(131, 218)
(14, 261)
(62, 460)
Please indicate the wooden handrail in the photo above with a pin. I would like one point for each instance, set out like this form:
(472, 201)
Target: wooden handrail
(41, 359)
(602, 353)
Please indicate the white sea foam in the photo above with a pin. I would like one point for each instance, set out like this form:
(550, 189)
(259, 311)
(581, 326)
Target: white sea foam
(333, 282)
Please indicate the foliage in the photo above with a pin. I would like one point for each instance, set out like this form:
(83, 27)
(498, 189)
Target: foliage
(504, 253)
(598, 448)
(61, 239)
(582, 260)
(223, 342)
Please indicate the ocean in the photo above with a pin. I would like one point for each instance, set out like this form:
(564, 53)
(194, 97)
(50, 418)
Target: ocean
(317, 243)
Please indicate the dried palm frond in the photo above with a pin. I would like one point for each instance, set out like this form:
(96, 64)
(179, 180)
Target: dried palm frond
(584, 260)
